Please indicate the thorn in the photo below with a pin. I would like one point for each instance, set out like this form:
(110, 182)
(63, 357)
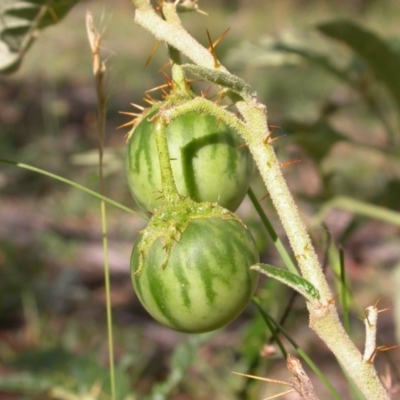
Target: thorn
(220, 38)
(272, 129)
(267, 139)
(221, 94)
(205, 94)
(160, 87)
(168, 79)
(272, 140)
(130, 113)
(148, 99)
(387, 348)
(167, 64)
(373, 355)
(241, 146)
(385, 309)
(202, 12)
(377, 301)
(137, 106)
(133, 123)
(150, 56)
(333, 299)
(288, 163)
(264, 197)
(193, 80)
(212, 51)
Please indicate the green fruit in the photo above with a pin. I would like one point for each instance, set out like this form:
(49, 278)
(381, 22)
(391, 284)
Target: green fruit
(205, 282)
(208, 160)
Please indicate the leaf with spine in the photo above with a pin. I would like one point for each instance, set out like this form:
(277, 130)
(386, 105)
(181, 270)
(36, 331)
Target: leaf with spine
(20, 22)
(379, 55)
(296, 282)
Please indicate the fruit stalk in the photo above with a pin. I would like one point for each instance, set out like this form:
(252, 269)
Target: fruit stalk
(169, 189)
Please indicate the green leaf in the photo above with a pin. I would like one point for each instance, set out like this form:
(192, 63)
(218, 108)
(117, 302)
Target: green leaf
(383, 60)
(20, 21)
(296, 282)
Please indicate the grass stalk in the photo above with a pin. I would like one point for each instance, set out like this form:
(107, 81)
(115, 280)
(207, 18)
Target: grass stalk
(99, 69)
(75, 185)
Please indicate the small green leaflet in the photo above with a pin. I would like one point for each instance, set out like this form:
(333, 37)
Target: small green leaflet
(301, 285)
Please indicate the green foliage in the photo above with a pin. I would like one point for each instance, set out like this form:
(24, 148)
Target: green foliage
(58, 373)
(20, 22)
(368, 71)
(380, 56)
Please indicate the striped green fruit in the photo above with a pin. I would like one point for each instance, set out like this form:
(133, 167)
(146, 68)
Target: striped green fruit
(205, 283)
(208, 160)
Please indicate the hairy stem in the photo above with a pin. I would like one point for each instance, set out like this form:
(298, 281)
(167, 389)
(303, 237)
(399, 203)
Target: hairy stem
(169, 189)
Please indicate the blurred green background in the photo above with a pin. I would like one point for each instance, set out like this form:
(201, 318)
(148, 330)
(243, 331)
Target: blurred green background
(329, 73)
